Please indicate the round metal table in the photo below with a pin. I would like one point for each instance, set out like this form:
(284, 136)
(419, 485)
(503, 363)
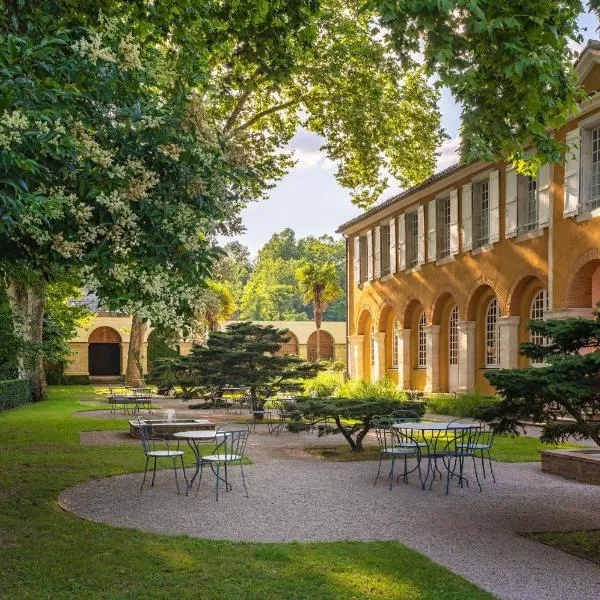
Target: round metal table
(194, 439)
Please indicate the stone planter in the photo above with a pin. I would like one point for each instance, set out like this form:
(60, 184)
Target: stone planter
(166, 429)
(582, 465)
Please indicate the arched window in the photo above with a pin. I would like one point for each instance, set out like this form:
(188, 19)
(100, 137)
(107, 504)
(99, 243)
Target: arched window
(492, 340)
(373, 347)
(453, 336)
(539, 306)
(395, 337)
(421, 343)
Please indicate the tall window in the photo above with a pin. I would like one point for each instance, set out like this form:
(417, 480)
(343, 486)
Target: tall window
(412, 239)
(492, 339)
(453, 337)
(443, 227)
(372, 347)
(364, 257)
(384, 238)
(594, 197)
(539, 306)
(481, 213)
(395, 338)
(421, 343)
(527, 203)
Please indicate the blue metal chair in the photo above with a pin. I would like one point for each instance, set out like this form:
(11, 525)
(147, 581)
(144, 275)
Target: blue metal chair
(229, 451)
(458, 448)
(389, 447)
(482, 448)
(149, 443)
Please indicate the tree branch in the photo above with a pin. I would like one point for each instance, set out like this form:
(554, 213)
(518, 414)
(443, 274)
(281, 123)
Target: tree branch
(237, 110)
(266, 112)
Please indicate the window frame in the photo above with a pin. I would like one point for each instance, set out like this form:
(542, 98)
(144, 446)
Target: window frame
(372, 347)
(443, 217)
(534, 308)
(421, 342)
(453, 319)
(411, 240)
(492, 335)
(524, 195)
(395, 340)
(363, 258)
(384, 249)
(477, 212)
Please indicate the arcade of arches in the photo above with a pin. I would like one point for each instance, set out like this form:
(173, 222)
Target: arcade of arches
(446, 344)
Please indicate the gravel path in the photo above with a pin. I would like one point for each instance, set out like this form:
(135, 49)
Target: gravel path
(302, 499)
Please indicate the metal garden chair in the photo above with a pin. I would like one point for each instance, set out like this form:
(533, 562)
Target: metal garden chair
(458, 448)
(482, 447)
(229, 451)
(152, 451)
(389, 447)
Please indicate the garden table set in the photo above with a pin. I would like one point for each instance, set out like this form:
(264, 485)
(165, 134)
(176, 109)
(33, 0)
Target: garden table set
(137, 397)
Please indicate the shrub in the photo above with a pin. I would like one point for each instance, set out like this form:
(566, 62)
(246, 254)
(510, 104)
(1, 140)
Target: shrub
(55, 378)
(361, 389)
(14, 392)
(324, 384)
(467, 405)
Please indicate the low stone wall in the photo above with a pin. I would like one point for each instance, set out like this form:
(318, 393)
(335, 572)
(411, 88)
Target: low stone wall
(166, 429)
(582, 465)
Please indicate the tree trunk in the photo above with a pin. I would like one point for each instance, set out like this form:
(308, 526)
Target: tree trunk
(318, 320)
(27, 302)
(135, 368)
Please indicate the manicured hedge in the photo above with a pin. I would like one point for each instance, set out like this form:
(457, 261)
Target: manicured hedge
(467, 405)
(14, 392)
(61, 379)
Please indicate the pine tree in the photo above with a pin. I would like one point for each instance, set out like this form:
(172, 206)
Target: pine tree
(244, 355)
(564, 393)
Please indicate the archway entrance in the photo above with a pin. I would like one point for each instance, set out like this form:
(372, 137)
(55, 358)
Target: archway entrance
(104, 352)
(326, 346)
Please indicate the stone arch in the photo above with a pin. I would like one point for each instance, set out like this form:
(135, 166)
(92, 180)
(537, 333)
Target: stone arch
(104, 335)
(583, 280)
(327, 346)
(480, 287)
(443, 296)
(384, 316)
(291, 346)
(525, 281)
(411, 306)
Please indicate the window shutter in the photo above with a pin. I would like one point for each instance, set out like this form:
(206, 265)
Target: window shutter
(494, 206)
(454, 222)
(421, 233)
(370, 254)
(402, 242)
(572, 168)
(467, 217)
(357, 260)
(431, 222)
(377, 273)
(392, 246)
(543, 182)
(510, 203)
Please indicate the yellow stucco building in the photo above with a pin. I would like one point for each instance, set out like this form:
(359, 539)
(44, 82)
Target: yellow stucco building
(444, 277)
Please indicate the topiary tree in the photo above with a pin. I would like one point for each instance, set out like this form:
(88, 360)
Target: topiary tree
(564, 394)
(244, 355)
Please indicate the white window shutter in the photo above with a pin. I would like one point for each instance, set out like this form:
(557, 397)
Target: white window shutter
(572, 175)
(431, 240)
(510, 203)
(544, 204)
(467, 217)
(357, 260)
(402, 242)
(392, 245)
(370, 254)
(377, 273)
(494, 206)
(421, 233)
(454, 222)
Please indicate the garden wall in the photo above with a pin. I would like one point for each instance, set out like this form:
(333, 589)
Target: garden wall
(14, 392)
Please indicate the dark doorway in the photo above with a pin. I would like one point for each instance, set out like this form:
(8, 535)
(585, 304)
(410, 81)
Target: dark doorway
(104, 359)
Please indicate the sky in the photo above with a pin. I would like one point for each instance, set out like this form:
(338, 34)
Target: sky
(310, 201)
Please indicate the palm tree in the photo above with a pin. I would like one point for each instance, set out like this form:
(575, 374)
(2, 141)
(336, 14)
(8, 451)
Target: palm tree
(319, 285)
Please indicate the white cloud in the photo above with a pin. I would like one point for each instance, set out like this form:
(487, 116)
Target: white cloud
(449, 154)
(312, 159)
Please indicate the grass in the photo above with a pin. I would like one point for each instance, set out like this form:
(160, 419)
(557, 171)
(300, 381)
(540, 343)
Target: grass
(48, 553)
(585, 544)
(505, 449)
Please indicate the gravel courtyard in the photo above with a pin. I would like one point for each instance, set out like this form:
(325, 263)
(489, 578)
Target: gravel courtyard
(295, 497)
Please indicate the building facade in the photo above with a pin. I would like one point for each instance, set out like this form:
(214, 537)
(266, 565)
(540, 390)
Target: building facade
(444, 277)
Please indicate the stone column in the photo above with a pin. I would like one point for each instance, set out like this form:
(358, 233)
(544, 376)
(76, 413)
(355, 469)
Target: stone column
(378, 368)
(466, 355)
(404, 358)
(355, 355)
(508, 332)
(432, 341)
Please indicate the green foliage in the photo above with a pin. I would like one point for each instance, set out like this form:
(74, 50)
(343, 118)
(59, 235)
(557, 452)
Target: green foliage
(11, 345)
(175, 373)
(508, 64)
(55, 378)
(244, 356)
(324, 384)
(468, 405)
(362, 389)
(159, 346)
(14, 392)
(567, 386)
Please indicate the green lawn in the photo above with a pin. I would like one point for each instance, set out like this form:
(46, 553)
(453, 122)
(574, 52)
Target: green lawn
(47, 553)
(505, 449)
(585, 544)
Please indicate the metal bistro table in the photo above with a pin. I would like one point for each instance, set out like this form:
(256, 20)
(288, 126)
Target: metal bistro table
(434, 444)
(194, 439)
